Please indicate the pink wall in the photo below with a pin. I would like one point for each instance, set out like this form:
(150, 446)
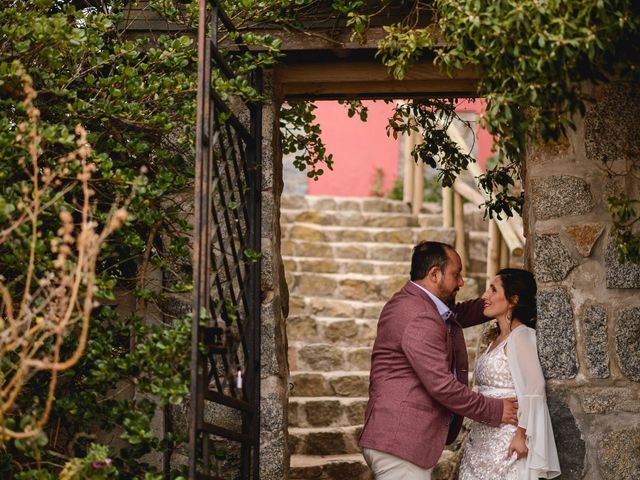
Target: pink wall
(358, 149)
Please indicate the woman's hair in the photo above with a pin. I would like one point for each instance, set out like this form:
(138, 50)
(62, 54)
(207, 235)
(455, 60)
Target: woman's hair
(521, 283)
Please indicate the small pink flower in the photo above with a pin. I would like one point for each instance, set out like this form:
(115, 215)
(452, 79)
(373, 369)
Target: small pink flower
(99, 465)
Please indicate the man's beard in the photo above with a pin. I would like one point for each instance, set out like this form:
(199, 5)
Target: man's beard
(448, 297)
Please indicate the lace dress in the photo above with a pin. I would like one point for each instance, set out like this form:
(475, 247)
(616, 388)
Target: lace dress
(485, 454)
(512, 369)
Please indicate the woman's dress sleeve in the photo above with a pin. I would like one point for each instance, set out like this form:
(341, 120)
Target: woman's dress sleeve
(533, 413)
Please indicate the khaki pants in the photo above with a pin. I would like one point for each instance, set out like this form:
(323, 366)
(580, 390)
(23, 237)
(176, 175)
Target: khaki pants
(389, 467)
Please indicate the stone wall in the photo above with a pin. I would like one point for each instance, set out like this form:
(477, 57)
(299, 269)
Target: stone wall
(274, 454)
(588, 302)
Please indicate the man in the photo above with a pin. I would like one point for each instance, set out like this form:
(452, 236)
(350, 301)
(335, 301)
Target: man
(419, 371)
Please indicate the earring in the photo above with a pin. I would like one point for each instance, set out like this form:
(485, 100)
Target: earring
(509, 318)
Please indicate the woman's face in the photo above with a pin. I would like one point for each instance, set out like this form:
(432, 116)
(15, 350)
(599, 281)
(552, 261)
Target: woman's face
(495, 302)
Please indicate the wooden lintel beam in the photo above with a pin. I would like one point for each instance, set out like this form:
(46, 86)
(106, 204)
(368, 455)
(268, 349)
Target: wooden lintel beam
(371, 90)
(370, 80)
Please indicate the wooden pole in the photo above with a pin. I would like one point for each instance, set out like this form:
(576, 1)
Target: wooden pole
(458, 222)
(418, 188)
(409, 168)
(493, 251)
(447, 207)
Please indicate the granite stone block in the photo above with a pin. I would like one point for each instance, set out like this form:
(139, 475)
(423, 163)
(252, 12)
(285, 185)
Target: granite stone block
(594, 320)
(552, 260)
(321, 357)
(619, 274)
(602, 400)
(584, 236)
(628, 342)
(559, 196)
(569, 442)
(618, 454)
(612, 124)
(274, 456)
(555, 334)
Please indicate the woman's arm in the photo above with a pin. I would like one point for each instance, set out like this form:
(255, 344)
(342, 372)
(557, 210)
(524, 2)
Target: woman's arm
(534, 421)
(525, 370)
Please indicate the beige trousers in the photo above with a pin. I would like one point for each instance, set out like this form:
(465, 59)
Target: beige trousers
(390, 467)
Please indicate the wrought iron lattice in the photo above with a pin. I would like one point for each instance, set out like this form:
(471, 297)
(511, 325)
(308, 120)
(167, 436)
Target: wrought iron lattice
(225, 349)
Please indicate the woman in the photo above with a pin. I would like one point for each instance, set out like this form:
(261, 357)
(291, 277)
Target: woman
(511, 363)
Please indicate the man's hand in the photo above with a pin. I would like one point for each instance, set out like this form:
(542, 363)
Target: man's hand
(510, 411)
(518, 444)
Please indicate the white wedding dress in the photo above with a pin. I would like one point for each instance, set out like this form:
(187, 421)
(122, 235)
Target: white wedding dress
(512, 369)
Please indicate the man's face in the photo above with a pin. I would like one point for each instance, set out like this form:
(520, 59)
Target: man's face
(450, 279)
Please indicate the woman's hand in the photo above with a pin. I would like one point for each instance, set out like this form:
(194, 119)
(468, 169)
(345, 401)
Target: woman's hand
(518, 444)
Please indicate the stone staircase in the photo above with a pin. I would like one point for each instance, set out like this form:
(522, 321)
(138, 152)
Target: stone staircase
(344, 258)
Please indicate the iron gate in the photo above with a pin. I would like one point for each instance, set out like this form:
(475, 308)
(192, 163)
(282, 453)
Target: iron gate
(225, 349)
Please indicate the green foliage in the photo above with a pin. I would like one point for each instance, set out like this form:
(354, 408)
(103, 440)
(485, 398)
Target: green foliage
(534, 59)
(355, 107)
(432, 118)
(96, 465)
(136, 99)
(625, 216)
(402, 47)
(302, 137)
(534, 86)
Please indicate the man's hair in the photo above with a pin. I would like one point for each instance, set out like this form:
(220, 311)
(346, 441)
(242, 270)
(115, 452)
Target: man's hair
(427, 255)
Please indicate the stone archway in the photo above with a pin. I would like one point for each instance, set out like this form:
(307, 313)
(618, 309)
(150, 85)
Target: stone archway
(589, 307)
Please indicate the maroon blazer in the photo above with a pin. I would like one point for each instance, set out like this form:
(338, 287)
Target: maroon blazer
(412, 392)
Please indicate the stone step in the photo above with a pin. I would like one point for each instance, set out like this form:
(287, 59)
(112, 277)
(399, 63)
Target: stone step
(352, 231)
(356, 204)
(319, 357)
(329, 467)
(358, 287)
(347, 250)
(335, 330)
(349, 218)
(329, 384)
(342, 265)
(324, 441)
(326, 411)
(355, 286)
(324, 357)
(474, 218)
(477, 242)
(332, 307)
(324, 306)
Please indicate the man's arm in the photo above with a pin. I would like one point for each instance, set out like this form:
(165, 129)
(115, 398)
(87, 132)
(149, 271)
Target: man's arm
(469, 313)
(424, 344)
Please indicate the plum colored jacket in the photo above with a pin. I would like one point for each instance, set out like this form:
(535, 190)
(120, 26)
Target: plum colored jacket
(412, 390)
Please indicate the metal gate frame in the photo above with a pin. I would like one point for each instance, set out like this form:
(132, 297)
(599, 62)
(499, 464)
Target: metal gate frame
(227, 237)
